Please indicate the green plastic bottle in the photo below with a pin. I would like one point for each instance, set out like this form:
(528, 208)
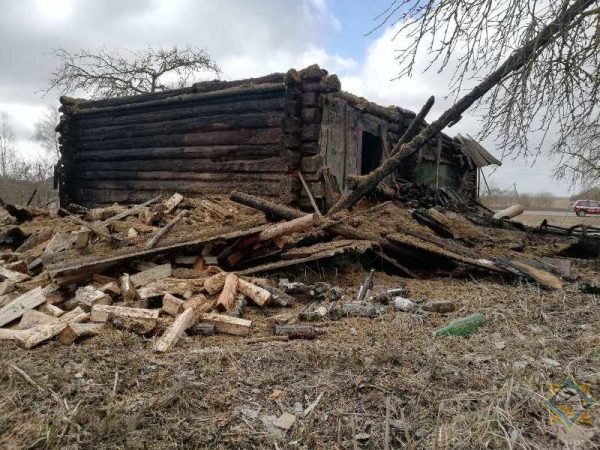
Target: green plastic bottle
(462, 326)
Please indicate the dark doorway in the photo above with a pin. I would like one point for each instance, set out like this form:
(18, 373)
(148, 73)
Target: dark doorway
(371, 153)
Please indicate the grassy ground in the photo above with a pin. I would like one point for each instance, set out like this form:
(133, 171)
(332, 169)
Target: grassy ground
(482, 391)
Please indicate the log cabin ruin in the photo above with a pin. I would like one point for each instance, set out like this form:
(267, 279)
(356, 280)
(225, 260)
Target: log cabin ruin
(254, 135)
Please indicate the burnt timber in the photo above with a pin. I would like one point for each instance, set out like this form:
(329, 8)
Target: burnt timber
(253, 135)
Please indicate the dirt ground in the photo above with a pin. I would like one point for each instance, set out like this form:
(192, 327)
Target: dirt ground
(486, 390)
(563, 219)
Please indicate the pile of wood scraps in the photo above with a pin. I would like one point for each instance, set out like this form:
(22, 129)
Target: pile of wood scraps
(176, 266)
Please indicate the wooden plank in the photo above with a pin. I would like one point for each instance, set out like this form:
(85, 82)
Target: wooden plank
(228, 324)
(11, 275)
(148, 276)
(35, 336)
(19, 305)
(32, 318)
(154, 239)
(90, 264)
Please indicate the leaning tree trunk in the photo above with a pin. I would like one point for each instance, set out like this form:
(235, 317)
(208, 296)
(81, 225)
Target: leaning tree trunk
(514, 62)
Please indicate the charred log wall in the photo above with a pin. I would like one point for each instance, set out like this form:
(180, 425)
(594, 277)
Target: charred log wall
(210, 138)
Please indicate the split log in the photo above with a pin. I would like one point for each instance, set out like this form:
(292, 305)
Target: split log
(7, 334)
(227, 324)
(361, 309)
(35, 336)
(174, 332)
(215, 284)
(284, 228)
(192, 310)
(111, 289)
(257, 294)
(76, 331)
(150, 275)
(53, 310)
(6, 287)
(19, 305)
(102, 313)
(202, 329)
(238, 307)
(36, 238)
(226, 300)
(152, 242)
(81, 238)
(298, 331)
(509, 213)
(128, 291)
(92, 227)
(366, 286)
(11, 275)
(172, 305)
(278, 296)
(171, 203)
(131, 211)
(32, 318)
(87, 297)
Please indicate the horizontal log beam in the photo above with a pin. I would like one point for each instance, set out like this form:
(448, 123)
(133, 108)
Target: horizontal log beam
(216, 151)
(237, 137)
(276, 164)
(233, 93)
(249, 105)
(194, 125)
(204, 86)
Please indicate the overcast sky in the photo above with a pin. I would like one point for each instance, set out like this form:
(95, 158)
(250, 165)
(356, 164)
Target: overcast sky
(247, 38)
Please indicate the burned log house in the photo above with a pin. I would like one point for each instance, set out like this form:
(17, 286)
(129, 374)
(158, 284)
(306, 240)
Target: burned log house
(253, 135)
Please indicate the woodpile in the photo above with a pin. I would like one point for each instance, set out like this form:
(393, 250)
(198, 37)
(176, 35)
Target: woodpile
(200, 276)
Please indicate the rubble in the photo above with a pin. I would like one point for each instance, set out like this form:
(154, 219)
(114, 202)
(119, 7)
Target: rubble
(190, 266)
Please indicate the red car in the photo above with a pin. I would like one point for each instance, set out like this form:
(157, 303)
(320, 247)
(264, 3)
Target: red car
(583, 207)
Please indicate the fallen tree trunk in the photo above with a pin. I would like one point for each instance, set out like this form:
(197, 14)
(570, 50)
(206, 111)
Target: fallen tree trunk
(515, 61)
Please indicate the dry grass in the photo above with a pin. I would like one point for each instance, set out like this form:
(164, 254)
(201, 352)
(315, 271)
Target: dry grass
(482, 391)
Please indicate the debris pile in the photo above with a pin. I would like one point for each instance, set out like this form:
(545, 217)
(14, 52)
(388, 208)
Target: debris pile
(198, 266)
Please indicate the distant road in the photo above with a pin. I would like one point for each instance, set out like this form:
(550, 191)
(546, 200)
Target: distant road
(536, 212)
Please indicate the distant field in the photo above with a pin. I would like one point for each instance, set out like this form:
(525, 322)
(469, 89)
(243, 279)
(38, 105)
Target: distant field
(559, 218)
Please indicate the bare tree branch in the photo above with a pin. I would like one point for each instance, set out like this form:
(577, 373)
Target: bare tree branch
(104, 73)
(554, 93)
